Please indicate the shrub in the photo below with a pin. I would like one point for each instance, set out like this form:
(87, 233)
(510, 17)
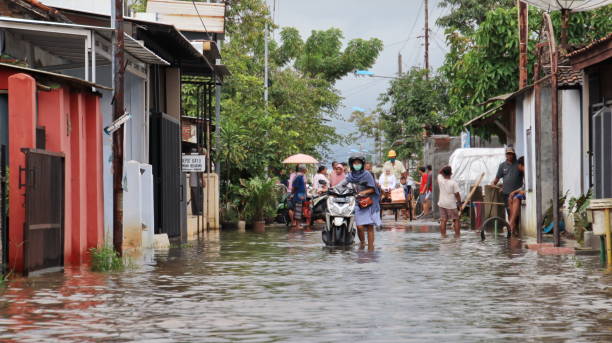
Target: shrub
(105, 259)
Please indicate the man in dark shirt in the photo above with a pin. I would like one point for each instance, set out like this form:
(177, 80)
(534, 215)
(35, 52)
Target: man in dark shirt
(510, 172)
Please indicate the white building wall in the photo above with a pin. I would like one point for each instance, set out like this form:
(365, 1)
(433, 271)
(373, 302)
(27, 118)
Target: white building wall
(135, 135)
(527, 135)
(571, 142)
(90, 6)
(570, 152)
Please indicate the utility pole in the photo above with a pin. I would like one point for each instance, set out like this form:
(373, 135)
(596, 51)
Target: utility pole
(399, 64)
(118, 110)
(266, 65)
(427, 38)
(523, 20)
(565, 17)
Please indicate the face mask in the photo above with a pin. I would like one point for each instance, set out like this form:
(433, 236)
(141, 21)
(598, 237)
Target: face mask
(392, 160)
(357, 167)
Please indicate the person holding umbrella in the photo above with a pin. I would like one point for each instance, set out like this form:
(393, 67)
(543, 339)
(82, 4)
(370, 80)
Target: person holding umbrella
(297, 187)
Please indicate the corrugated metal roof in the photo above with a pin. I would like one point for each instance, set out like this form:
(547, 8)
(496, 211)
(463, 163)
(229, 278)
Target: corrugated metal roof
(184, 16)
(484, 115)
(62, 45)
(54, 76)
(141, 52)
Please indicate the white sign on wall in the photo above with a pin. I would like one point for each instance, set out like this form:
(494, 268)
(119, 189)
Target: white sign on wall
(194, 163)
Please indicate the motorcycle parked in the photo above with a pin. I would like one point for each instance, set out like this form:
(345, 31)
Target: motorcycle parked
(319, 204)
(340, 229)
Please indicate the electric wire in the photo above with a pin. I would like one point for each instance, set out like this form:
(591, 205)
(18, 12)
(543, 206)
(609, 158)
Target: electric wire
(413, 26)
(201, 20)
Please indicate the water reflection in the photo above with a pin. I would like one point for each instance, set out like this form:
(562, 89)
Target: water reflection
(286, 286)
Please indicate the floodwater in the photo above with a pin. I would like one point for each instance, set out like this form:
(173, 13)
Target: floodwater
(285, 287)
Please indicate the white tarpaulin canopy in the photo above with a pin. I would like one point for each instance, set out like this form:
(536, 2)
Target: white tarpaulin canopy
(469, 163)
(573, 5)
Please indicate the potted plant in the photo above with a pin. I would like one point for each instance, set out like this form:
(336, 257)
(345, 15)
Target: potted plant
(577, 208)
(260, 199)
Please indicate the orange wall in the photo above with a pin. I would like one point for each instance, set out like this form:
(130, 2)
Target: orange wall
(55, 120)
(79, 178)
(95, 198)
(73, 125)
(22, 134)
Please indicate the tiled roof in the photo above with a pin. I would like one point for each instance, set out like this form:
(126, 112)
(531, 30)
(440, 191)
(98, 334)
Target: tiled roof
(590, 45)
(568, 77)
(35, 10)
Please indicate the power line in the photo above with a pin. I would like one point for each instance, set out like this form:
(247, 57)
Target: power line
(201, 21)
(413, 26)
(361, 88)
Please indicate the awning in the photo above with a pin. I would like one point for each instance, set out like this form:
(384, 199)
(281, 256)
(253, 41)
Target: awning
(141, 52)
(485, 115)
(504, 97)
(66, 40)
(73, 81)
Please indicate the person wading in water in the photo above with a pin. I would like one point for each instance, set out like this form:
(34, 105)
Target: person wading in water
(367, 211)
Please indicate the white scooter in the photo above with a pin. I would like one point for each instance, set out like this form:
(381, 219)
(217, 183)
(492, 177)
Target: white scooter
(340, 229)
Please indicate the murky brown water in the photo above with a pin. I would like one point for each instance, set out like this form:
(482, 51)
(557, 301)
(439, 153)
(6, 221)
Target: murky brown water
(279, 287)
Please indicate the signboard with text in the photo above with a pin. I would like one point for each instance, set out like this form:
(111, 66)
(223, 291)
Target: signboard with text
(194, 163)
(189, 133)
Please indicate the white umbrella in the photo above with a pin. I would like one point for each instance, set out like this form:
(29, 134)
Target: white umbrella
(573, 5)
(300, 159)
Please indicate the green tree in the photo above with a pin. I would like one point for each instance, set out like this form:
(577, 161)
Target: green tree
(322, 54)
(484, 63)
(466, 15)
(413, 105)
(302, 97)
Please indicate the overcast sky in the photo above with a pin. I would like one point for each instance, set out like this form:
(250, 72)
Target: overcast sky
(398, 23)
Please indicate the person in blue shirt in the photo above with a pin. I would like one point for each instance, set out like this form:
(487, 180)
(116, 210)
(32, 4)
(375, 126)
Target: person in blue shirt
(298, 196)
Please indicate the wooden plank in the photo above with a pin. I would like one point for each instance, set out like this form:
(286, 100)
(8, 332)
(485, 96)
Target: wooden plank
(469, 196)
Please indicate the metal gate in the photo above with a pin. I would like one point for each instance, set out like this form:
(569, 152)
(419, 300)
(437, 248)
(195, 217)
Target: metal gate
(166, 161)
(602, 149)
(44, 226)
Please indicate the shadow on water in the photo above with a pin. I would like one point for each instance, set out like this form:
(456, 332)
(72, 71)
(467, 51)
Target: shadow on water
(280, 286)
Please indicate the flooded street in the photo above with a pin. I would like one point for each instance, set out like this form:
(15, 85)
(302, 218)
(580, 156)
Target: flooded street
(282, 286)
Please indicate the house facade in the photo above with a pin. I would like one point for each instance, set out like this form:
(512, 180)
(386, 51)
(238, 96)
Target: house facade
(514, 122)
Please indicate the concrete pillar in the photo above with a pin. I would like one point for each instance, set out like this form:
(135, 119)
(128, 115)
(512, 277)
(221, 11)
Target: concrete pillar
(95, 198)
(132, 208)
(79, 178)
(55, 118)
(22, 134)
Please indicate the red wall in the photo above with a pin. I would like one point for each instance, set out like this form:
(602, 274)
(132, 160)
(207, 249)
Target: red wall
(55, 120)
(73, 124)
(95, 199)
(22, 134)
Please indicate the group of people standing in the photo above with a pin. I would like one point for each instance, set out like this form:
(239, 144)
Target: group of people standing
(359, 172)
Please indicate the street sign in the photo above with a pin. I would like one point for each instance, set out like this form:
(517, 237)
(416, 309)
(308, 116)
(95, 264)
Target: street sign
(194, 163)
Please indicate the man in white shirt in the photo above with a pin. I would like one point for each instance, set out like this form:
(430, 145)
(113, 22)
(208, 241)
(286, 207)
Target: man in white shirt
(397, 168)
(450, 201)
(387, 181)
